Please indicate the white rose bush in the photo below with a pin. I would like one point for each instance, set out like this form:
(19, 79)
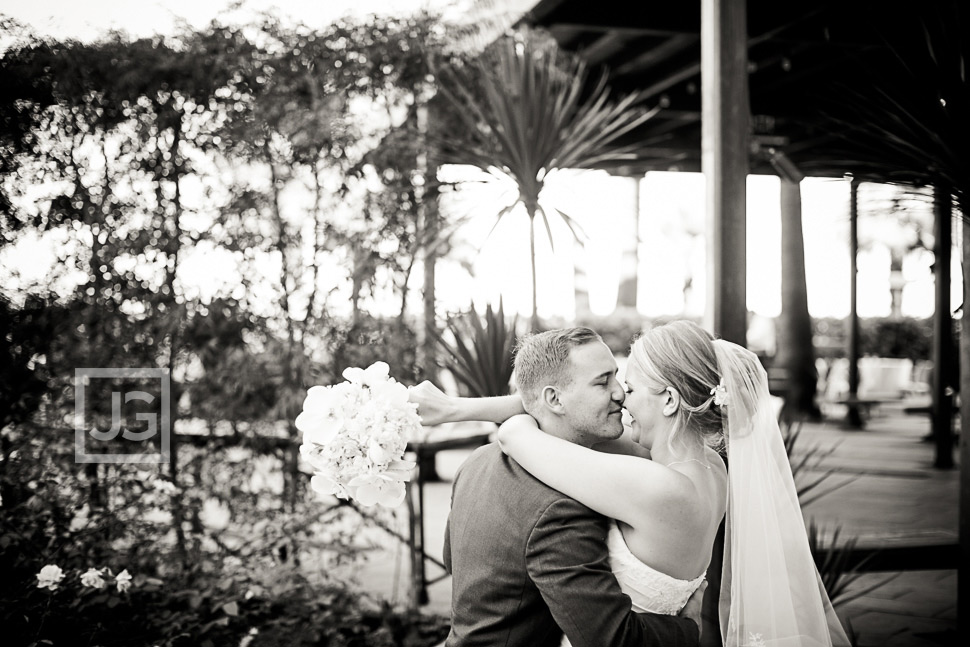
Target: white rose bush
(92, 578)
(355, 434)
(51, 576)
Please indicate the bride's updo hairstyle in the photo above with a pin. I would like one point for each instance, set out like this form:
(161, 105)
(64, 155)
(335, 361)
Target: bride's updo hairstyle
(680, 355)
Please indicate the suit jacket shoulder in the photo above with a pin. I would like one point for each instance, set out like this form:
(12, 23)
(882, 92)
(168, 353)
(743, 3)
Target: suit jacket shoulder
(527, 560)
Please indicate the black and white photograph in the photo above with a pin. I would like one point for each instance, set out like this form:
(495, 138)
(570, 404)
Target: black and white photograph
(484, 323)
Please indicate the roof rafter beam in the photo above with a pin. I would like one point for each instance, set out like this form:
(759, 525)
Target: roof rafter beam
(676, 42)
(670, 47)
(694, 69)
(604, 47)
(622, 30)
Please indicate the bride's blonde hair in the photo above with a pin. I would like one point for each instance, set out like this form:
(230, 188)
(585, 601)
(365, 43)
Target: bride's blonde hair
(680, 354)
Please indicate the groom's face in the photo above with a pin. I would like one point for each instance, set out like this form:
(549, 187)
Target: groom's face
(593, 400)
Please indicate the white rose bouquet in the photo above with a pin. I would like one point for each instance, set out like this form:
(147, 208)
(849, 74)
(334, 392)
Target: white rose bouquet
(355, 434)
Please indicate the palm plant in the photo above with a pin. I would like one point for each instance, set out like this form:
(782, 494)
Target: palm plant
(807, 460)
(479, 353)
(837, 564)
(911, 126)
(523, 109)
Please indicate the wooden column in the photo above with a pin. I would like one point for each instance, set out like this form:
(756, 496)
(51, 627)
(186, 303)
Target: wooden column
(963, 579)
(942, 331)
(796, 355)
(854, 415)
(724, 159)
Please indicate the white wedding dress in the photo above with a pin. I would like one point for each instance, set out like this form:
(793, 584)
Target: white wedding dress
(650, 590)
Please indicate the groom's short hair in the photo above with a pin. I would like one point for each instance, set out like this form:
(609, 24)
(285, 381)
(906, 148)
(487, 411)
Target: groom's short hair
(542, 359)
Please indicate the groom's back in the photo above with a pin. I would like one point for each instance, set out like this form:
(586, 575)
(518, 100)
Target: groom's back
(496, 507)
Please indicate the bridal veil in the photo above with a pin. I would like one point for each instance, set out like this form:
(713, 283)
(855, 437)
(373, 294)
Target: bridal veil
(771, 592)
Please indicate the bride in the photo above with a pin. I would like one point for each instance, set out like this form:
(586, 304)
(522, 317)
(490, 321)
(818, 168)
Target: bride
(690, 398)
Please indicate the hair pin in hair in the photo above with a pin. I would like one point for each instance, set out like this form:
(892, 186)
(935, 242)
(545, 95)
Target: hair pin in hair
(720, 394)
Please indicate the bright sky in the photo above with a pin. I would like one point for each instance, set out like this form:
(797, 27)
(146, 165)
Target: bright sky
(85, 20)
(604, 205)
(672, 248)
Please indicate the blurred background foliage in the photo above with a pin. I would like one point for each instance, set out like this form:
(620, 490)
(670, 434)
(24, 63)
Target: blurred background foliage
(139, 157)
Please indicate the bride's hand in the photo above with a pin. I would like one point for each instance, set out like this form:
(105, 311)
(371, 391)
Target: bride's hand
(434, 405)
(692, 610)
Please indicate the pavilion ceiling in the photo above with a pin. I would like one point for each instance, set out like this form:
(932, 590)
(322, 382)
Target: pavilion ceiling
(810, 65)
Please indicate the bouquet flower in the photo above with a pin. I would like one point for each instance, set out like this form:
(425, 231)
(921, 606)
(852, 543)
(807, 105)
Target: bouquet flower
(354, 436)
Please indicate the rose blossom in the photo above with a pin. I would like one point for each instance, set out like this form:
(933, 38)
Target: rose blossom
(123, 581)
(49, 577)
(92, 578)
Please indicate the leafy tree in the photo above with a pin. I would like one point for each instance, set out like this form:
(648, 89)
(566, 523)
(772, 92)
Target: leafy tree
(526, 109)
(139, 155)
(29, 333)
(902, 222)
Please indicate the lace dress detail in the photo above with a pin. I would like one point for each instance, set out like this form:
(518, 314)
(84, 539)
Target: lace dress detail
(649, 589)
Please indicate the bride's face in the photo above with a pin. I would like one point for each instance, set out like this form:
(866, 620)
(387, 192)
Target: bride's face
(645, 406)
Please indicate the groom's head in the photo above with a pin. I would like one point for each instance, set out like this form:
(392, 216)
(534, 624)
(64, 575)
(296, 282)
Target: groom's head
(567, 381)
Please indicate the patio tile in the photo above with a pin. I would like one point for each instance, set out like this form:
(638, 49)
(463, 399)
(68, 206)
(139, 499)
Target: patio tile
(875, 629)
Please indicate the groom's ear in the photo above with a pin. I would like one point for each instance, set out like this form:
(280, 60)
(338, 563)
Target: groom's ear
(549, 399)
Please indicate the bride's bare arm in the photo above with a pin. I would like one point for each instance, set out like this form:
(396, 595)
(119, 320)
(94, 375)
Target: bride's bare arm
(436, 407)
(618, 486)
(625, 444)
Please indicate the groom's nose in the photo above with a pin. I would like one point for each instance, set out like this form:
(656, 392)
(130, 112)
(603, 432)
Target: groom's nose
(619, 395)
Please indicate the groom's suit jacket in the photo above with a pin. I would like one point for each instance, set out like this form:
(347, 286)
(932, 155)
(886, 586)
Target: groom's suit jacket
(527, 560)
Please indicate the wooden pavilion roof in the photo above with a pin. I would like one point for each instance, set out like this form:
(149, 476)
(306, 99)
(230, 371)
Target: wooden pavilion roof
(808, 62)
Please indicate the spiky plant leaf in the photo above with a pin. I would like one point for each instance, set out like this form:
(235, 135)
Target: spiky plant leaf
(912, 127)
(478, 351)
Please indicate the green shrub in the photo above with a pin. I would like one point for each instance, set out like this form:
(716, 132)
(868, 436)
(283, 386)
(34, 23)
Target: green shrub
(907, 338)
(878, 336)
(249, 568)
(618, 329)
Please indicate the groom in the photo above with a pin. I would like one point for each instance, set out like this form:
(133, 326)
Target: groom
(528, 562)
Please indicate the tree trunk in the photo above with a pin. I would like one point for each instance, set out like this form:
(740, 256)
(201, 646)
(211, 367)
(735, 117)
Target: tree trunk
(580, 281)
(178, 512)
(428, 239)
(626, 297)
(896, 284)
(796, 356)
(318, 226)
(292, 360)
(534, 319)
